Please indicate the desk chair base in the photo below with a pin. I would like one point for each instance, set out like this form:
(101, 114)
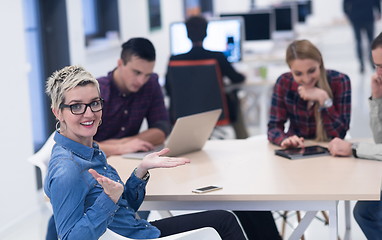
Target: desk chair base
(284, 216)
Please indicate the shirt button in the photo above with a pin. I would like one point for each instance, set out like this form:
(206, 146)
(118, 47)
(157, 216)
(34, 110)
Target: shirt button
(105, 168)
(124, 95)
(125, 112)
(122, 128)
(99, 153)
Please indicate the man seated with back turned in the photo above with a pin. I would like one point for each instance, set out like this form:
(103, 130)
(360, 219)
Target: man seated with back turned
(368, 214)
(196, 32)
(131, 93)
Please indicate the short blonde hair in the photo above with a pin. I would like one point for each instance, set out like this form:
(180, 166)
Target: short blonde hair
(66, 79)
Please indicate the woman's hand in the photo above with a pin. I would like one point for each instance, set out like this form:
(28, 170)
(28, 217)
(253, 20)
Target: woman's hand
(113, 189)
(313, 94)
(292, 142)
(156, 160)
(376, 86)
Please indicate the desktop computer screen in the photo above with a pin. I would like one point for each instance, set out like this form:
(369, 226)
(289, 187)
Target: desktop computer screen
(304, 8)
(258, 24)
(286, 16)
(286, 19)
(223, 35)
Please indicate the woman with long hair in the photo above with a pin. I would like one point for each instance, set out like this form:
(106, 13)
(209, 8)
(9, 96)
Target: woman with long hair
(316, 101)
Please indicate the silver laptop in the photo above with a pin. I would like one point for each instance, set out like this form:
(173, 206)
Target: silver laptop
(189, 134)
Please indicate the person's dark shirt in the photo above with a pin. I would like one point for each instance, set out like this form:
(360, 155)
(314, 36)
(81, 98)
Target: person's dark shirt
(361, 10)
(123, 113)
(199, 53)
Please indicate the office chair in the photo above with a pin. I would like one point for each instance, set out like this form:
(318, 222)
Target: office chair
(41, 160)
(285, 215)
(196, 86)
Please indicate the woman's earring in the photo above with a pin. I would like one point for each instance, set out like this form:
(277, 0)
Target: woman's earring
(58, 125)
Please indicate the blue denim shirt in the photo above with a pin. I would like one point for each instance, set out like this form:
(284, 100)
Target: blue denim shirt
(81, 208)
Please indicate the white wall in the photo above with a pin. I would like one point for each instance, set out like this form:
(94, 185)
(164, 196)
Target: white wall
(327, 12)
(18, 195)
(134, 22)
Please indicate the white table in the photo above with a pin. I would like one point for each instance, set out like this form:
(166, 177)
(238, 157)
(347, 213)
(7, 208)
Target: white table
(253, 178)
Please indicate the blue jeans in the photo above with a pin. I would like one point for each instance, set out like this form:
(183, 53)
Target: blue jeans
(358, 28)
(368, 215)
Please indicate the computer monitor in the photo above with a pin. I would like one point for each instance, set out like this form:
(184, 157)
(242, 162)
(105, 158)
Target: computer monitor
(223, 35)
(286, 19)
(304, 8)
(286, 16)
(258, 24)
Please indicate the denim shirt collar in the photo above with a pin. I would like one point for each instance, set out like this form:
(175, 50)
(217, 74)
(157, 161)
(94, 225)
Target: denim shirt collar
(76, 148)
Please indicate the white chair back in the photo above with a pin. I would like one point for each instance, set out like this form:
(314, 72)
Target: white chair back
(41, 158)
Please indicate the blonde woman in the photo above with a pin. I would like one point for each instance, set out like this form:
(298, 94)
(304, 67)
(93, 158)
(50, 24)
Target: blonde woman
(316, 101)
(86, 193)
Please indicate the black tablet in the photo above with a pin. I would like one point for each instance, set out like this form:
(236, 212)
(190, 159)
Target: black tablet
(306, 152)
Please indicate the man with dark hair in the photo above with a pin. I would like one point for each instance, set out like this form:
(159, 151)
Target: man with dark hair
(132, 93)
(362, 15)
(196, 32)
(196, 29)
(368, 214)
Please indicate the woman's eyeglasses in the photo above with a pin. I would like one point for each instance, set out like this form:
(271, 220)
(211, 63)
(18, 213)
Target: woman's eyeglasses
(80, 108)
(378, 66)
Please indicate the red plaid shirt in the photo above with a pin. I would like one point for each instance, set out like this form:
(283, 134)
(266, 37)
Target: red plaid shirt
(287, 105)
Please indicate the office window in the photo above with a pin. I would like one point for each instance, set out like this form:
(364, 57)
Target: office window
(154, 14)
(35, 74)
(101, 21)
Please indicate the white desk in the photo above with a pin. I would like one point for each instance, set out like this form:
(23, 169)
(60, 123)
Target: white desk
(253, 178)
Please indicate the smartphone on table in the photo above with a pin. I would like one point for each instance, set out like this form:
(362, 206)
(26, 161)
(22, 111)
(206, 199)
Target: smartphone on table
(206, 189)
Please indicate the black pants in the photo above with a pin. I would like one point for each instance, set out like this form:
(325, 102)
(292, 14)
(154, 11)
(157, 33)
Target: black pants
(223, 222)
(258, 225)
(358, 27)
